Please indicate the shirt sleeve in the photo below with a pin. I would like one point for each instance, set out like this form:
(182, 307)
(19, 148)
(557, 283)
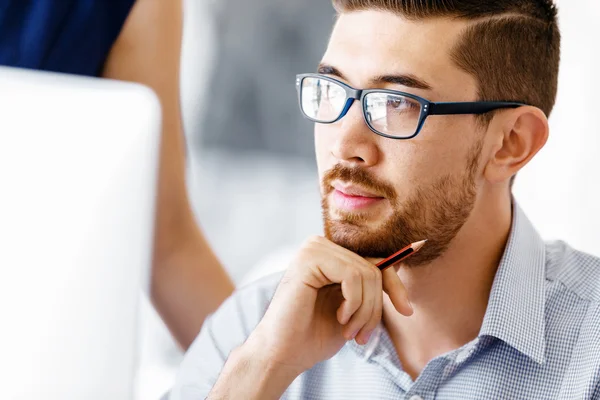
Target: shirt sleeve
(221, 333)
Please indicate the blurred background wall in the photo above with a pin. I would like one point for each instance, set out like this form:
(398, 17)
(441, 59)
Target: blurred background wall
(252, 176)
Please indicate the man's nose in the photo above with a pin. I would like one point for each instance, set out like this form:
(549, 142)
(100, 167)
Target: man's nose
(355, 143)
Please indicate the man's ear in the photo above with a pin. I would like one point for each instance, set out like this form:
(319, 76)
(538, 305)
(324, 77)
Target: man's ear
(521, 133)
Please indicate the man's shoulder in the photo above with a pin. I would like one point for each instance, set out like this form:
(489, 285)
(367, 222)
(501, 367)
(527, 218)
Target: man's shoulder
(223, 331)
(577, 271)
(258, 294)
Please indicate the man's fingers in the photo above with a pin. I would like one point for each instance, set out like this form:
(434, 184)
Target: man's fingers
(371, 289)
(353, 295)
(366, 331)
(327, 270)
(361, 285)
(393, 286)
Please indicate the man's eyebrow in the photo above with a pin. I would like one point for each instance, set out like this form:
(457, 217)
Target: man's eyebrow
(327, 69)
(407, 80)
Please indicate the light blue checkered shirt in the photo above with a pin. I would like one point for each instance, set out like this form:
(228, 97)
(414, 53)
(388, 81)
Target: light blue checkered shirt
(540, 338)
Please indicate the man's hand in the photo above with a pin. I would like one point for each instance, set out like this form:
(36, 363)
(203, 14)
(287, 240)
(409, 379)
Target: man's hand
(328, 296)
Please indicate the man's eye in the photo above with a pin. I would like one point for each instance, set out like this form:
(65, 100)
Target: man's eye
(400, 104)
(395, 103)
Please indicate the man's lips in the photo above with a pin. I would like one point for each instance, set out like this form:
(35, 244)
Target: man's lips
(351, 198)
(351, 190)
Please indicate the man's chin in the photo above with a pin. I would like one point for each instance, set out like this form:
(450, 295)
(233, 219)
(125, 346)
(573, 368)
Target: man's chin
(358, 239)
(367, 221)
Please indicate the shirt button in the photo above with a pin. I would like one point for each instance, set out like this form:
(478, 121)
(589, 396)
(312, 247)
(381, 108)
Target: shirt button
(415, 397)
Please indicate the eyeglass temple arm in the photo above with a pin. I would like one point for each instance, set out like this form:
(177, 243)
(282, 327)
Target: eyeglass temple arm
(479, 107)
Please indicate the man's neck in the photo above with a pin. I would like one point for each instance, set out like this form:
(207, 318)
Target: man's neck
(450, 295)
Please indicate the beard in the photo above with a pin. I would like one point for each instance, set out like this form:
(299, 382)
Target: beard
(435, 212)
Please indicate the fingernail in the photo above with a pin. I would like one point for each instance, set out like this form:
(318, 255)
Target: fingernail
(354, 335)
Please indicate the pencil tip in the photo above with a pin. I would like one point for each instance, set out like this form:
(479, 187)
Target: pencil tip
(418, 245)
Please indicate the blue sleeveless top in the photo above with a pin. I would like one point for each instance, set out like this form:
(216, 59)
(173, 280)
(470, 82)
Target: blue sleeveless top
(71, 36)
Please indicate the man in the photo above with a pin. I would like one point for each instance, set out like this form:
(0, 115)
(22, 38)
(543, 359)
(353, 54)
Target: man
(486, 310)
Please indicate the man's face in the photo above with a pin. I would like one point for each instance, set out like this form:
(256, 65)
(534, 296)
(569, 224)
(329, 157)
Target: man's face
(380, 194)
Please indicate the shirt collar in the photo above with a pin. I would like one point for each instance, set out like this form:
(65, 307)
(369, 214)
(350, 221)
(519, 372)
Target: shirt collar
(515, 312)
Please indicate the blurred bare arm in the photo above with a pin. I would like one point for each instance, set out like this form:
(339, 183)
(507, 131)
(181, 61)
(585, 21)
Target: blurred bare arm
(188, 281)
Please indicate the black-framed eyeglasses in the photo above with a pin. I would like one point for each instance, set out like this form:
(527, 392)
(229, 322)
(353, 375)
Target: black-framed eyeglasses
(389, 113)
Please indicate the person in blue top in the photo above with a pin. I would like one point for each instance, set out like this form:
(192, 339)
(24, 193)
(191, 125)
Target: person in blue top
(138, 41)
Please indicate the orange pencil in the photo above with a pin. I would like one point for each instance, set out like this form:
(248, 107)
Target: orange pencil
(401, 255)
